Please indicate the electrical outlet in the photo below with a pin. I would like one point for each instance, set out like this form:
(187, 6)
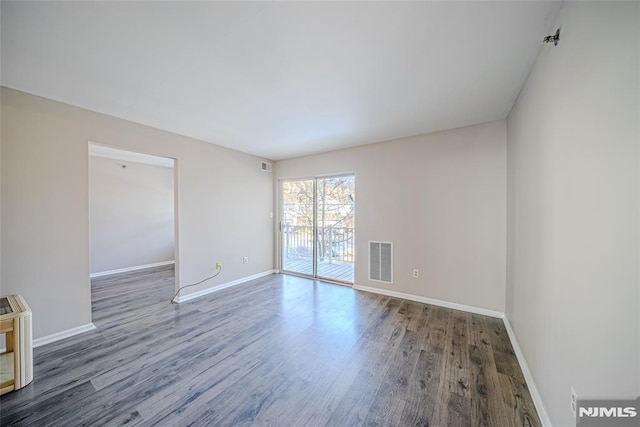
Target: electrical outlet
(218, 265)
(245, 260)
(416, 273)
(574, 401)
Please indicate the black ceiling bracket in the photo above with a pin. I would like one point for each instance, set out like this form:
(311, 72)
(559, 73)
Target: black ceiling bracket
(554, 38)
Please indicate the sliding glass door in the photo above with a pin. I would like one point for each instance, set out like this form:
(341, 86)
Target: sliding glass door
(318, 226)
(335, 199)
(297, 226)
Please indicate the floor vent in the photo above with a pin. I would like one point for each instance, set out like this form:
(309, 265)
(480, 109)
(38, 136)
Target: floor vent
(381, 262)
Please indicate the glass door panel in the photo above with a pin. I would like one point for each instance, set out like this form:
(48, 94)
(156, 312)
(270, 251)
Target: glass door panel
(335, 225)
(297, 226)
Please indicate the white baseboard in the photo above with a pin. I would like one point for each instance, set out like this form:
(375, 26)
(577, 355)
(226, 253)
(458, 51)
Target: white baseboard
(535, 395)
(216, 288)
(425, 300)
(62, 335)
(134, 268)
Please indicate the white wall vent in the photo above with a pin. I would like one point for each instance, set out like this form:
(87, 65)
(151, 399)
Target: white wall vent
(265, 166)
(381, 262)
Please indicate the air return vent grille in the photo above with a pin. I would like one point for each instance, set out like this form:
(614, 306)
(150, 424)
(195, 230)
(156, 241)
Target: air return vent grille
(265, 166)
(381, 261)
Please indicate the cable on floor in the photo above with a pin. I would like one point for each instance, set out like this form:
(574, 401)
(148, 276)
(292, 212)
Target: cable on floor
(173, 300)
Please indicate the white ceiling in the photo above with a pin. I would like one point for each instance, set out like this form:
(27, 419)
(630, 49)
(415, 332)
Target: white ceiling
(278, 79)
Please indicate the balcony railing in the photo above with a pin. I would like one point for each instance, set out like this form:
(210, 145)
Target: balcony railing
(335, 244)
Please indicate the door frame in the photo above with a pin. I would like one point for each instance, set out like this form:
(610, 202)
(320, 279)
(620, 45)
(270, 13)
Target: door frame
(279, 239)
(176, 224)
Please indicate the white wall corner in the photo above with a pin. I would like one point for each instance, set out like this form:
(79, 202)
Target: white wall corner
(216, 288)
(62, 335)
(533, 390)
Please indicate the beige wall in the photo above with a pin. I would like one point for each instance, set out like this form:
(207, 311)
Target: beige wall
(223, 205)
(572, 287)
(131, 220)
(440, 198)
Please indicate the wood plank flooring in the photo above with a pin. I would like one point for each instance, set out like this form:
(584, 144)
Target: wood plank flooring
(277, 351)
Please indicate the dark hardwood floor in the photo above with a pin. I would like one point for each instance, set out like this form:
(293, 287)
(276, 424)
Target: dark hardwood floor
(279, 351)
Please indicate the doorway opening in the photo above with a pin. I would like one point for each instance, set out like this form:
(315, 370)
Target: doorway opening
(317, 227)
(132, 212)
